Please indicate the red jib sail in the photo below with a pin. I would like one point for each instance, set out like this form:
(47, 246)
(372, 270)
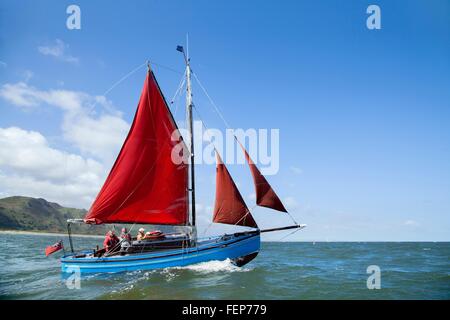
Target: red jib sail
(229, 207)
(145, 185)
(265, 196)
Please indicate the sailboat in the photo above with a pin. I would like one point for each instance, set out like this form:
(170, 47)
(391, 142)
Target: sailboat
(145, 186)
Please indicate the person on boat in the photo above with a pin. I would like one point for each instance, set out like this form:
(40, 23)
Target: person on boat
(141, 234)
(125, 236)
(111, 241)
(154, 235)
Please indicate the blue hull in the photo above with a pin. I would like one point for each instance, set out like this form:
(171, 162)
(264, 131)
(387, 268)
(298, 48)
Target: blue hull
(240, 248)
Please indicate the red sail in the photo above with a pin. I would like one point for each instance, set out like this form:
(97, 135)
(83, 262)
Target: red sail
(145, 185)
(265, 196)
(229, 208)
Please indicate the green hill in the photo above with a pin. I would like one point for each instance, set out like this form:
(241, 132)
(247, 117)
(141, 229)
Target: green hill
(32, 214)
(37, 214)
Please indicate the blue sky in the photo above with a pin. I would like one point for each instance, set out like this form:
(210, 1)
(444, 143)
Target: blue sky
(363, 114)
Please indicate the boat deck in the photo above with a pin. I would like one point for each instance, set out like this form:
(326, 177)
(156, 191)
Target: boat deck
(233, 246)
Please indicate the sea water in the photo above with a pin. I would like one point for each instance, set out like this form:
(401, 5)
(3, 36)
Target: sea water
(282, 270)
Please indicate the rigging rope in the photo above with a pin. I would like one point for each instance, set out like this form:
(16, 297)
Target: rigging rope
(291, 233)
(217, 109)
(211, 101)
(209, 137)
(165, 67)
(215, 149)
(181, 85)
(183, 79)
(176, 96)
(126, 76)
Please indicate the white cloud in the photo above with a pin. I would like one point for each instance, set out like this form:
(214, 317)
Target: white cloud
(96, 135)
(23, 95)
(100, 137)
(3, 64)
(411, 223)
(59, 51)
(29, 166)
(296, 170)
(18, 95)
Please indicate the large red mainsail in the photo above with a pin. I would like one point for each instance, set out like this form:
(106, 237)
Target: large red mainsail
(229, 207)
(145, 185)
(265, 196)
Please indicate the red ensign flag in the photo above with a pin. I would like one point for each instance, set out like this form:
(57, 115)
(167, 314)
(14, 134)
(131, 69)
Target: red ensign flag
(53, 248)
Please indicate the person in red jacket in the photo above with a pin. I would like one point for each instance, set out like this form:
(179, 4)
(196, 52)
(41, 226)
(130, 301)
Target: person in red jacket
(111, 241)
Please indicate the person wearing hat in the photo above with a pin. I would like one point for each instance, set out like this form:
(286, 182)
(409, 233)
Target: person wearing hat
(125, 236)
(141, 234)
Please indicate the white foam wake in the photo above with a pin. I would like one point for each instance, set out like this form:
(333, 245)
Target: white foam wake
(213, 266)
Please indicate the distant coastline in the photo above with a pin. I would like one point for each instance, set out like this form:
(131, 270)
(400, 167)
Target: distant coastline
(38, 233)
(43, 233)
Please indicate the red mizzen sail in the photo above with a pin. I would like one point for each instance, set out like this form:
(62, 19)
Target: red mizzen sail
(229, 207)
(265, 196)
(145, 185)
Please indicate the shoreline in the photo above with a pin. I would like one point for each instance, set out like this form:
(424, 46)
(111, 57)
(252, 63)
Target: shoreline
(43, 233)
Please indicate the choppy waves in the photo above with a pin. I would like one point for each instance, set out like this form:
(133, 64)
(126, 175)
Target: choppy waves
(281, 271)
